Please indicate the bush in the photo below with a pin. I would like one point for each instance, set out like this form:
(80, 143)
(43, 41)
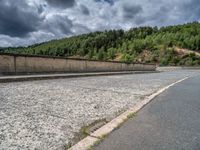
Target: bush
(127, 58)
(111, 53)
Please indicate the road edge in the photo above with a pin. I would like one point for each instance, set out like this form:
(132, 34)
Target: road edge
(6, 79)
(97, 135)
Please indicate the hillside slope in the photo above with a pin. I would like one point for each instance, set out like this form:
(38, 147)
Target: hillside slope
(166, 46)
(186, 51)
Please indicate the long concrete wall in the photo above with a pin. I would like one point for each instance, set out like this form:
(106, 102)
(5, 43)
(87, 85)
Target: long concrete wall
(24, 64)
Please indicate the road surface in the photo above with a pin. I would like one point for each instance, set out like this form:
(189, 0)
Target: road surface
(46, 114)
(170, 122)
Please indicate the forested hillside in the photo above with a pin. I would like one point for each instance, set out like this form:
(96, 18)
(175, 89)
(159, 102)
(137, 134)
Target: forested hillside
(142, 44)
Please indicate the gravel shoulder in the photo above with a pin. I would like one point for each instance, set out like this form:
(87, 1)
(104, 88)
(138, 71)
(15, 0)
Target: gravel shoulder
(170, 122)
(46, 114)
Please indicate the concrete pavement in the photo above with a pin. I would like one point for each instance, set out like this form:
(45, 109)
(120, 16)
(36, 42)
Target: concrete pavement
(14, 78)
(47, 114)
(170, 122)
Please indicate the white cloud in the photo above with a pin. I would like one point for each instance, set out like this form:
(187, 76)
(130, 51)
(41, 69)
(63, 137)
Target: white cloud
(76, 17)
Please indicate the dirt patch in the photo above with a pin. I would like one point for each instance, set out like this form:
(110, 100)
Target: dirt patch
(182, 51)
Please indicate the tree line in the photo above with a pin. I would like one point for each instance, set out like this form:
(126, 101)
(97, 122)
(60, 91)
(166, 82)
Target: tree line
(142, 44)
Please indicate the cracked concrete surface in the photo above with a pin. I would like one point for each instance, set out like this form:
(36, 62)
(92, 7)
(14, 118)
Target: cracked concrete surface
(46, 114)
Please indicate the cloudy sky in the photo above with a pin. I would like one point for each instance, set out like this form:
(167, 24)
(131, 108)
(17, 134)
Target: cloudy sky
(25, 22)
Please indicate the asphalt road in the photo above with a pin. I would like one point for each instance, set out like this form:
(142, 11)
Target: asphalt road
(47, 114)
(170, 122)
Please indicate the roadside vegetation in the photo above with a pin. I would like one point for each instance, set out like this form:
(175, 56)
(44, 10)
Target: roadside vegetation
(142, 44)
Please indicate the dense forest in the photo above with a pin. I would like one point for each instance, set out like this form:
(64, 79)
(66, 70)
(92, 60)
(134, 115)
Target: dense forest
(171, 45)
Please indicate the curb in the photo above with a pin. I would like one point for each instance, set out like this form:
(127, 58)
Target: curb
(5, 79)
(94, 137)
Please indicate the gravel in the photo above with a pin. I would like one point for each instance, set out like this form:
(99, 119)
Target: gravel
(46, 114)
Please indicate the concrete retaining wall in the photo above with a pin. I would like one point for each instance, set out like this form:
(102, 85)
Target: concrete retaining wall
(24, 64)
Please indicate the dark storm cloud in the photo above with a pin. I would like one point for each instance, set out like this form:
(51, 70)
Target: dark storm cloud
(191, 9)
(131, 11)
(58, 25)
(65, 25)
(15, 21)
(84, 10)
(61, 3)
(140, 20)
(111, 2)
(24, 22)
(79, 28)
(161, 15)
(41, 8)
